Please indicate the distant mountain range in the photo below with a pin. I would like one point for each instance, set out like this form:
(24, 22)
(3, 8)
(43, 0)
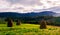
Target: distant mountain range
(32, 14)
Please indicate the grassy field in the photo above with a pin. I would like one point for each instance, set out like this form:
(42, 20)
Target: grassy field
(28, 29)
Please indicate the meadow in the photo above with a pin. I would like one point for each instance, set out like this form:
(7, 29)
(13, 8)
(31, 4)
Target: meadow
(28, 29)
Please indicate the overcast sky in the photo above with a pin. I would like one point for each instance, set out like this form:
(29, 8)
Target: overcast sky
(24, 6)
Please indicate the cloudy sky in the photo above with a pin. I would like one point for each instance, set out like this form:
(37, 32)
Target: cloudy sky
(24, 6)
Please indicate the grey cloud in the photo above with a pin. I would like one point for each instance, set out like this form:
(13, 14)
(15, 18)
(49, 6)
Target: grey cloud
(25, 2)
(18, 8)
(13, 1)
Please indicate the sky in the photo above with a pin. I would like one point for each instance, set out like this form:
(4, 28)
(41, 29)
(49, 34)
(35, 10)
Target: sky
(24, 6)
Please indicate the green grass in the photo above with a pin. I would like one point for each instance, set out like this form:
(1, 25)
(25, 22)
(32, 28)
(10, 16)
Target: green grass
(28, 29)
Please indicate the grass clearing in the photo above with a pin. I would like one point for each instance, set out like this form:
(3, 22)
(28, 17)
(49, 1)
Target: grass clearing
(28, 29)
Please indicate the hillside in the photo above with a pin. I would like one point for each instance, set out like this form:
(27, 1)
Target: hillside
(32, 14)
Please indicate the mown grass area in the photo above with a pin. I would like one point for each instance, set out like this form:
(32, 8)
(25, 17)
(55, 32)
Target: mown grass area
(28, 29)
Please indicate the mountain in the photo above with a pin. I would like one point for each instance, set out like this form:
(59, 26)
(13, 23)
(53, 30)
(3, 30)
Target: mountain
(55, 9)
(32, 14)
(9, 14)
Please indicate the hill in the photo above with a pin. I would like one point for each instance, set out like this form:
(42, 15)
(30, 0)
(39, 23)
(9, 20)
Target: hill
(32, 14)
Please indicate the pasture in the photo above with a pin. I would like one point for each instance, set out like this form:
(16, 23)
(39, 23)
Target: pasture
(28, 29)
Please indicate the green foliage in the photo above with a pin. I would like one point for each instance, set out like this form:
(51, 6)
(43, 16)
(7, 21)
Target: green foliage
(34, 20)
(2, 21)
